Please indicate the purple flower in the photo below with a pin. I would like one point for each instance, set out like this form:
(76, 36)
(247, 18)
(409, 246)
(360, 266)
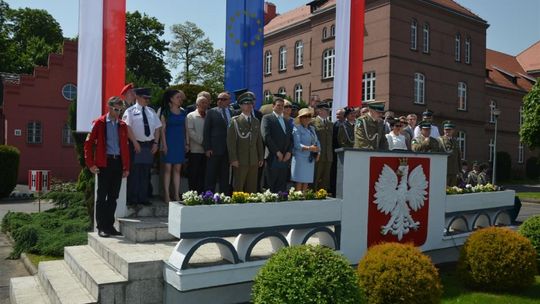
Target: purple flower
(216, 199)
(283, 196)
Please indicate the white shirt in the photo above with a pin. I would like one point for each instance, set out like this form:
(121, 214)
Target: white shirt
(195, 130)
(434, 132)
(396, 142)
(134, 119)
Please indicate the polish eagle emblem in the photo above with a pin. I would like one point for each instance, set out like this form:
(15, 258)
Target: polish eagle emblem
(393, 194)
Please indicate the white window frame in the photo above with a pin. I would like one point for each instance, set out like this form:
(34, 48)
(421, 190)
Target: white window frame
(268, 62)
(462, 143)
(298, 91)
(520, 116)
(426, 38)
(34, 132)
(468, 50)
(267, 95)
(520, 153)
(324, 33)
(491, 149)
(299, 53)
(328, 63)
(419, 88)
(283, 58)
(414, 35)
(282, 91)
(69, 91)
(492, 107)
(67, 138)
(462, 96)
(332, 30)
(368, 86)
(457, 48)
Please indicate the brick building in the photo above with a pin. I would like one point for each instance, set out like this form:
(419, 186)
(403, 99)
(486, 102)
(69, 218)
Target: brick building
(418, 54)
(34, 113)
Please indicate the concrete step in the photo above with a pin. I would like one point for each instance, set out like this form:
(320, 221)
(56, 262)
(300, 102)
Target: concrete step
(157, 209)
(27, 290)
(61, 285)
(98, 277)
(134, 261)
(145, 229)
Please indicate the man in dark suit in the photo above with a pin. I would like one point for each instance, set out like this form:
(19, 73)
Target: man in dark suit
(215, 144)
(277, 136)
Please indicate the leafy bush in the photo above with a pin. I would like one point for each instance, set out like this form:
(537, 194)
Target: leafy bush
(9, 162)
(306, 274)
(497, 259)
(531, 230)
(503, 166)
(532, 168)
(398, 273)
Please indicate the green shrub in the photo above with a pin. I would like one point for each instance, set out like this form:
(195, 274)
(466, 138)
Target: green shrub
(532, 168)
(306, 274)
(531, 230)
(497, 259)
(26, 238)
(15, 220)
(9, 164)
(398, 273)
(503, 166)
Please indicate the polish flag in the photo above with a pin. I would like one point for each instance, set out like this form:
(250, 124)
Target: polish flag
(101, 59)
(349, 47)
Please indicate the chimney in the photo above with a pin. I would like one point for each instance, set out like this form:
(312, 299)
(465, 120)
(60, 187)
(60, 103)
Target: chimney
(269, 12)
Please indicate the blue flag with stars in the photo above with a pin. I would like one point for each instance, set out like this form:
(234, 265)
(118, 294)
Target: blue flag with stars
(244, 47)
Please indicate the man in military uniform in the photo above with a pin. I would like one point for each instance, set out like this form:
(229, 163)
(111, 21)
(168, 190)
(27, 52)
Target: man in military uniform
(483, 175)
(369, 128)
(424, 142)
(245, 146)
(450, 145)
(324, 128)
(427, 115)
(472, 177)
(346, 130)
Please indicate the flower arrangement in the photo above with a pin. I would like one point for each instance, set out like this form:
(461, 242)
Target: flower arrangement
(192, 198)
(472, 189)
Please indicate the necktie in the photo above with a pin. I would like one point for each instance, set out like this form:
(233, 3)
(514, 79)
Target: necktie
(145, 121)
(225, 116)
(282, 123)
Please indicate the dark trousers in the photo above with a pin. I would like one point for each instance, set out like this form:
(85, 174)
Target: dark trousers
(109, 182)
(197, 171)
(276, 178)
(217, 170)
(137, 183)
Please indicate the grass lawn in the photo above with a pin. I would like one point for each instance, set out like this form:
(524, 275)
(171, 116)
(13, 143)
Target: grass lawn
(455, 292)
(35, 259)
(529, 195)
(524, 181)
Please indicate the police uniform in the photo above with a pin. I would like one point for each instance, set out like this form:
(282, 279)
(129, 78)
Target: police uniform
(324, 129)
(244, 144)
(368, 132)
(451, 146)
(420, 144)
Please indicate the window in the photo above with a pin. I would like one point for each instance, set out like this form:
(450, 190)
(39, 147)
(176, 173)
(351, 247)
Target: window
(299, 53)
(268, 62)
(457, 48)
(267, 95)
(413, 34)
(520, 153)
(298, 92)
(328, 62)
(333, 31)
(67, 139)
(282, 58)
(468, 50)
(324, 33)
(69, 91)
(462, 142)
(462, 96)
(492, 107)
(426, 38)
(282, 91)
(34, 132)
(520, 116)
(491, 149)
(368, 86)
(419, 88)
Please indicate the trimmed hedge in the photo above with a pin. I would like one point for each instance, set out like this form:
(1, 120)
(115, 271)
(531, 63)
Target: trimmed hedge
(531, 230)
(398, 273)
(503, 166)
(497, 259)
(9, 164)
(532, 168)
(306, 274)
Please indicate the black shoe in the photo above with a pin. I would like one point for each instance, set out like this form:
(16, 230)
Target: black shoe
(113, 231)
(146, 204)
(103, 234)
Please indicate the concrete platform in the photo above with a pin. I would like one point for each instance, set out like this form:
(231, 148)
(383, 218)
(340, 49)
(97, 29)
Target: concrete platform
(145, 229)
(61, 284)
(27, 290)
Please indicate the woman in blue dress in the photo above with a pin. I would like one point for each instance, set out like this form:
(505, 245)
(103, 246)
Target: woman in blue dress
(305, 152)
(173, 143)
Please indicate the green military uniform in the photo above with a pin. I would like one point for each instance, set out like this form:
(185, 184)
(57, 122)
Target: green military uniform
(325, 130)
(369, 134)
(346, 135)
(420, 144)
(244, 144)
(472, 177)
(451, 146)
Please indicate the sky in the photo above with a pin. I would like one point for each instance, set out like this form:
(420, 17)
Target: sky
(514, 24)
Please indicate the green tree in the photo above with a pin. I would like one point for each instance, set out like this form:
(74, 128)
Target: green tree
(145, 51)
(213, 72)
(530, 129)
(190, 49)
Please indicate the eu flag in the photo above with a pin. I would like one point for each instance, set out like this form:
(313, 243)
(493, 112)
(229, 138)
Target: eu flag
(244, 47)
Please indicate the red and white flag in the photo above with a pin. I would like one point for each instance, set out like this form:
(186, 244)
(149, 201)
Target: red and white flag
(349, 54)
(101, 57)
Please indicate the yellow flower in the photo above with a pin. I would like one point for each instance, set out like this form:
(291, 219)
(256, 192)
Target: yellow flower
(321, 194)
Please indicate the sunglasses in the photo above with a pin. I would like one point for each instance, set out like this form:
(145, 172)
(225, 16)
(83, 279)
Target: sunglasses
(117, 110)
(287, 107)
(223, 98)
(397, 126)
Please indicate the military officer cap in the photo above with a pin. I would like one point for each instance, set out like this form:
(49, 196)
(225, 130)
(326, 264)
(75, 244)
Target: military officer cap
(347, 111)
(376, 106)
(323, 105)
(115, 101)
(448, 125)
(425, 124)
(295, 106)
(427, 113)
(246, 98)
(279, 96)
(144, 92)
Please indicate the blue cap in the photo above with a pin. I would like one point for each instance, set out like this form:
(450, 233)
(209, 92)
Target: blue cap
(144, 92)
